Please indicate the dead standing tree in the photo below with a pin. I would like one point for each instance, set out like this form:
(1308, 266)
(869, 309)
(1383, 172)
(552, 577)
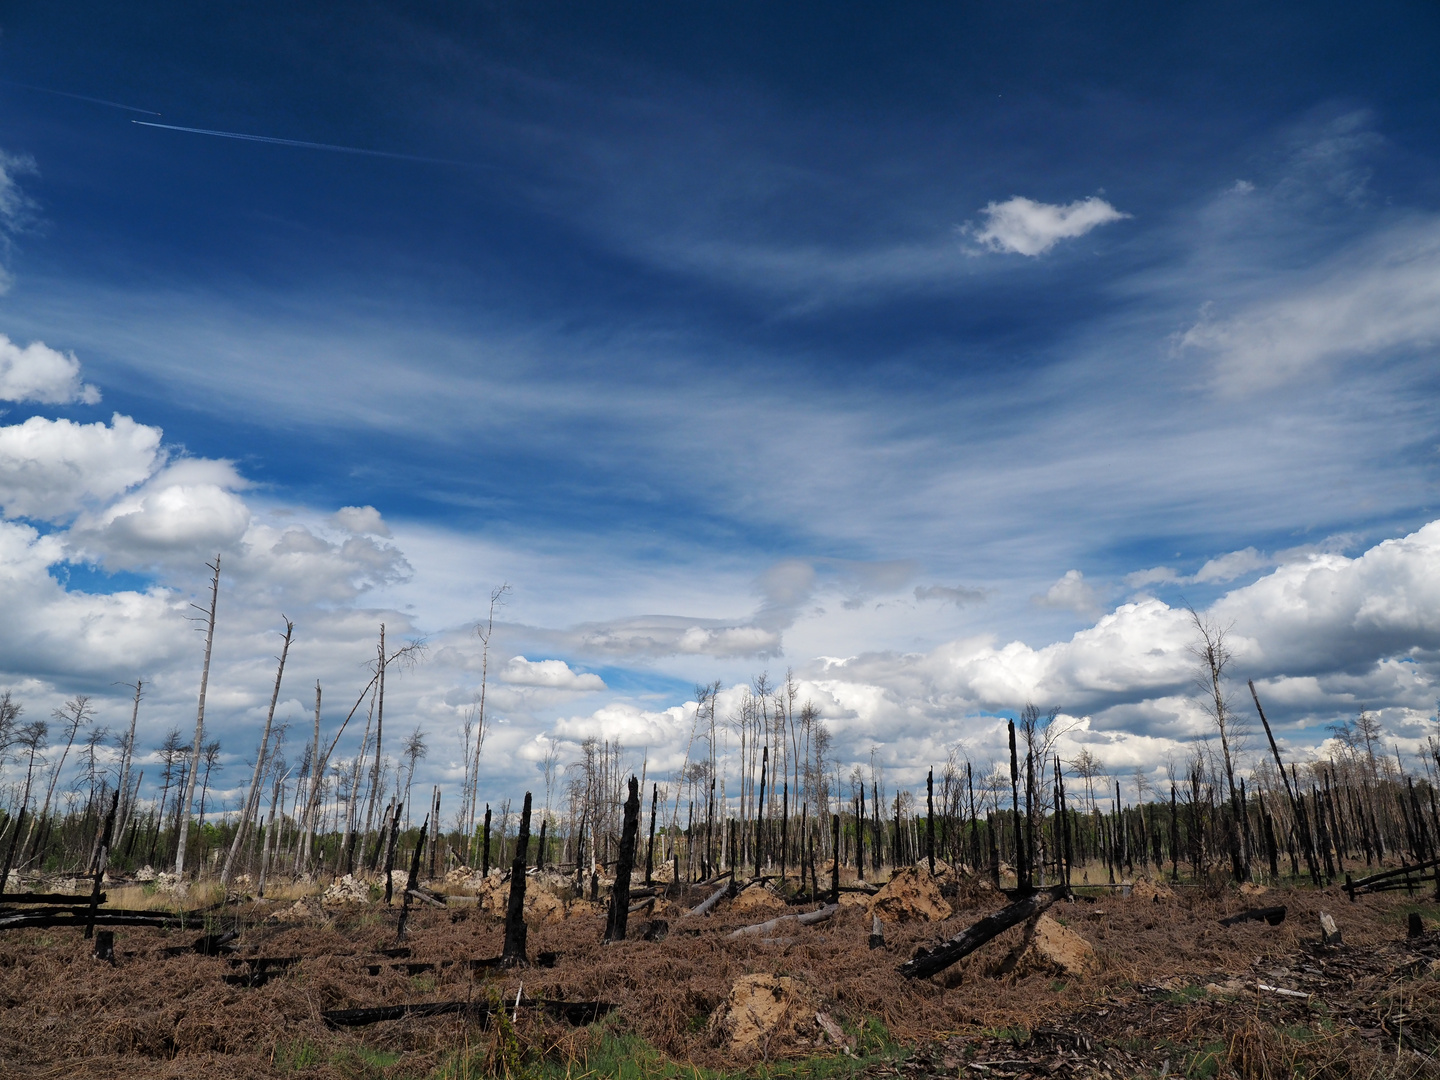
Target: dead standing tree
(620, 894)
(75, 715)
(1212, 652)
(127, 756)
(472, 764)
(252, 797)
(512, 954)
(197, 742)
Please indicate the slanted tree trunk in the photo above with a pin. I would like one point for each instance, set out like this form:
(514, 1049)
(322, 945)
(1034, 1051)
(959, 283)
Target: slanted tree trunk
(413, 881)
(252, 797)
(127, 803)
(933, 961)
(375, 793)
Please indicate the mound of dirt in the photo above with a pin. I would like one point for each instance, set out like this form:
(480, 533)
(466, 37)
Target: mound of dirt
(756, 900)
(762, 1012)
(171, 884)
(912, 895)
(303, 910)
(543, 907)
(1056, 950)
(346, 891)
(584, 909)
(1145, 889)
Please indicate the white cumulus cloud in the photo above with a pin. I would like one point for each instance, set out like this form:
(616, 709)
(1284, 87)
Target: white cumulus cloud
(1071, 593)
(39, 373)
(549, 674)
(52, 469)
(1023, 226)
(361, 520)
(188, 508)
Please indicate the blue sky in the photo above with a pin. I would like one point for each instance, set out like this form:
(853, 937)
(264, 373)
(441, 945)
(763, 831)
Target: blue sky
(810, 333)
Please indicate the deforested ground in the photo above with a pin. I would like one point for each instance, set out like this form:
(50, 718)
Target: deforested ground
(1155, 986)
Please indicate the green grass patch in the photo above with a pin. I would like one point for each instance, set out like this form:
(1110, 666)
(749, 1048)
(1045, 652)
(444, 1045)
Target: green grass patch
(360, 1062)
(1207, 1061)
(1427, 910)
(618, 1056)
(1183, 996)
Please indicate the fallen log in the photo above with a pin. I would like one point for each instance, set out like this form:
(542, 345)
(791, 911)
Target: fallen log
(254, 971)
(928, 962)
(420, 894)
(56, 899)
(1372, 883)
(56, 917)
(578, 1013)
(703, 908)
(809, 918)
(1272, 915)
(1396, 884)
(209, 945)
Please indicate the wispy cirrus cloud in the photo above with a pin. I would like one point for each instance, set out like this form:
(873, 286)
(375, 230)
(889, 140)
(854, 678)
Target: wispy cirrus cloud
(1373, 299)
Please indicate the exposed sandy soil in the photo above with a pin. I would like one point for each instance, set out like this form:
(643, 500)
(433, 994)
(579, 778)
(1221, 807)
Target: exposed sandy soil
(1371, 1005)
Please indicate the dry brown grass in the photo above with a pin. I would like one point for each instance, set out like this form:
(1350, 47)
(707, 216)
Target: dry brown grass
(155, 1016)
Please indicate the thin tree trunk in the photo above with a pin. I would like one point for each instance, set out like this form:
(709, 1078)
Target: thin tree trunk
(126, 802)
(252, 797)
(375, 792)
(199, 724)
(317, 777)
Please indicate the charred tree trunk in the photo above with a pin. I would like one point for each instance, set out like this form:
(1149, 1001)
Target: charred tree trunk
(620, 893)
(413, 881)
(102, 856)
(485, 850)
(650, 844)
(513, 953)
(930, 818)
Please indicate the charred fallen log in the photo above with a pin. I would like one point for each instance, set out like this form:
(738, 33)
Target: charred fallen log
(1272, 915)
(53, 899)
(929, 962)
(253, 971)
(1385, 879)
(57, 917)
(578, 1013)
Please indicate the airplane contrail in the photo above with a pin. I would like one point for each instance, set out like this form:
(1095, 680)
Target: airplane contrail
(295, 142)
(80, 97)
